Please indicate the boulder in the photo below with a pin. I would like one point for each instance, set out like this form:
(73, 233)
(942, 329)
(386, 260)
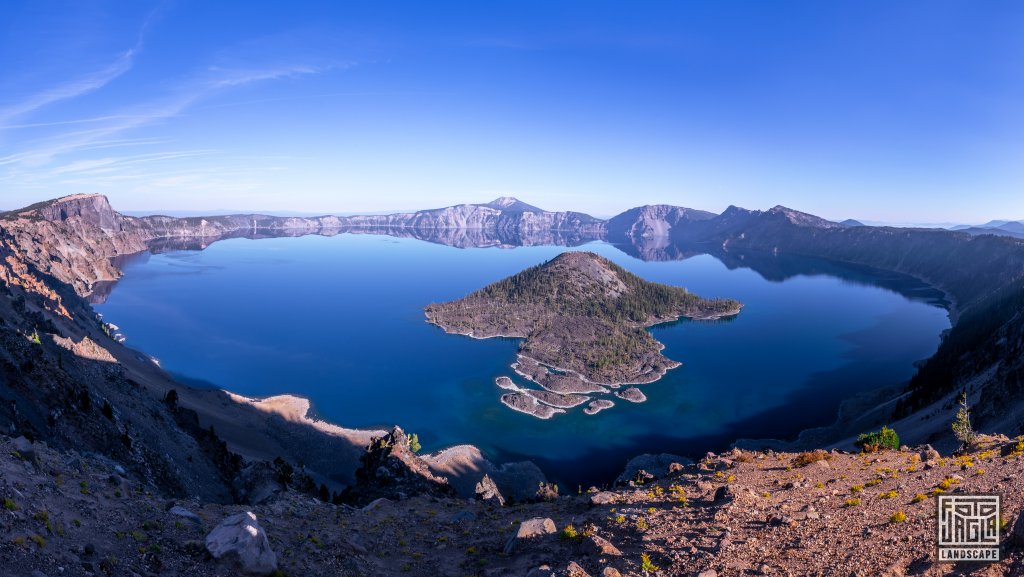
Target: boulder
(529, 530)
(25, 448)
(603, 498)
(929, 454)
(240, 541)
(488, 492)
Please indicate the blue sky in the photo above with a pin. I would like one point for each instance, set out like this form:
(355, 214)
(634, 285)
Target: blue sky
(890, 111)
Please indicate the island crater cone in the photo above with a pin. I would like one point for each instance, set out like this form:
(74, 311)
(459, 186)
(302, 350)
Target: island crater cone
(583, 319)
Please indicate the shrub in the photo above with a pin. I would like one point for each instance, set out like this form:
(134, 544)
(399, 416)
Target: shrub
(898, 517)
(919, 497)
(414, 443)
(851, 503)
(888, 495)
(885, 438)
(569, 533)
(646, 565)
(809, 457)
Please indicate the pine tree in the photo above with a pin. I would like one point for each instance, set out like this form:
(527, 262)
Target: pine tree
(962, 424)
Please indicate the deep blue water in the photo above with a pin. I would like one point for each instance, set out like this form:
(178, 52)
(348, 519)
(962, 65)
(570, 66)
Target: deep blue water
(339, 320)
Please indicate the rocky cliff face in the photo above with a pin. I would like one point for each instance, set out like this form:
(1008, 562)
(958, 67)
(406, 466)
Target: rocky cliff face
(72, 239)
(93, 209)
(653, 221)
(504, 216)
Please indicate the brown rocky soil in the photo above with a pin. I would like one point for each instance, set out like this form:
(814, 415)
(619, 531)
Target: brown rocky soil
(740, 513)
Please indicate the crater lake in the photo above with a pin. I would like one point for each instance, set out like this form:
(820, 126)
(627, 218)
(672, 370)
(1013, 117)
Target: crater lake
(339, 320)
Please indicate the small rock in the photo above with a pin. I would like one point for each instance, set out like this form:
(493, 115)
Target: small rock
(530, 529)
(120, 470)
(542, 571)
(602, 498)
(708, 573)
(764, 569)
(574, 570)
(185, 513)
(610, 572)
(488, 492)
(673, 468)
(89, 549)
(600, 546)
(240, 540)
(930, 454)
(38, 573)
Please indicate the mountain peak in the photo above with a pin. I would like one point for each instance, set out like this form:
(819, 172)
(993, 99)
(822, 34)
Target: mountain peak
(512, 204)
(802, 218)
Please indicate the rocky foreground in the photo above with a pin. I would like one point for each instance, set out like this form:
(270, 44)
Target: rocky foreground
(739, 513)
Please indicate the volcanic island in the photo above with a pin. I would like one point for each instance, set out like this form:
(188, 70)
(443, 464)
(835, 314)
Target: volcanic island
(583, 320)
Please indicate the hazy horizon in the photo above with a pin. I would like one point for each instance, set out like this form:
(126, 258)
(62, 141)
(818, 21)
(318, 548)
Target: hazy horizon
(905, 113)
(185, 212)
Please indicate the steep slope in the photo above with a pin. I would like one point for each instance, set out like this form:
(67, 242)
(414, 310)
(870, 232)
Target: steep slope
(981, 275)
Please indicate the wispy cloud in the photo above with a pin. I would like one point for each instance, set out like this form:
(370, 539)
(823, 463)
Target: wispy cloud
(69, 90)
(112, 164)
(212, 82)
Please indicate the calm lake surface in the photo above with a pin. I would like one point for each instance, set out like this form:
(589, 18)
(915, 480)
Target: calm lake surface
(339, 320)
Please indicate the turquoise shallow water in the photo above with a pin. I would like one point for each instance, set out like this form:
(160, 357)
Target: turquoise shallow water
(339, 320)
